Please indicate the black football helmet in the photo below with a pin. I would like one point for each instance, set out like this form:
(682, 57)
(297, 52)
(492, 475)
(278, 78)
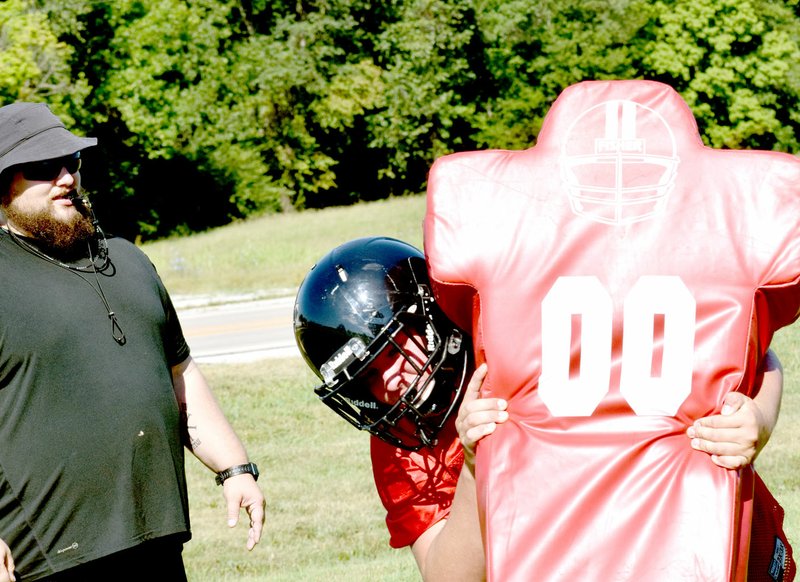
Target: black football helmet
(361, 299)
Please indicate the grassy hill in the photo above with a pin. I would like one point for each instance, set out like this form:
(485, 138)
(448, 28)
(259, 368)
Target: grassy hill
(271, 255)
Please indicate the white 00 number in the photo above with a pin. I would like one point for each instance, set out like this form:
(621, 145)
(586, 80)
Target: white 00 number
(587, 298)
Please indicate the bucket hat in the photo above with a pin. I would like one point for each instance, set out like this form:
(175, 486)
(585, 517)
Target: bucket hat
(30, 132)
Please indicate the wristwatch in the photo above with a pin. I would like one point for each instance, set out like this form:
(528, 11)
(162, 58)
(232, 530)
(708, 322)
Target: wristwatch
(237, 470)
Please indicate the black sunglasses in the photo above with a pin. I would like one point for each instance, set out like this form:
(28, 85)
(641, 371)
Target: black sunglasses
(49, 170)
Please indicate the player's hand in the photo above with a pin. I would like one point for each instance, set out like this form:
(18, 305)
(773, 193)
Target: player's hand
(478, 417)
(734, 437)
(6, 563)
(241, 491)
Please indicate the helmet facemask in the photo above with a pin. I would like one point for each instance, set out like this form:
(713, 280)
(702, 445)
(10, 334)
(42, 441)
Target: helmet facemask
(414, 420)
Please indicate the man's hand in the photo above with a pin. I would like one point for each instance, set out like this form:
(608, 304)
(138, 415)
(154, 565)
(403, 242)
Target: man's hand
(241, 491)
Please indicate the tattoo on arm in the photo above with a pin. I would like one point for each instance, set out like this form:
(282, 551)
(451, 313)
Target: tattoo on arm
(191, 442)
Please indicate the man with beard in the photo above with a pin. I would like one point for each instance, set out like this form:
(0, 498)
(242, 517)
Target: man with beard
(98, 391)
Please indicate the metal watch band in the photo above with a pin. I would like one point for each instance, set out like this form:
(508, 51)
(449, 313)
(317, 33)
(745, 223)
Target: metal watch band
(237, 470)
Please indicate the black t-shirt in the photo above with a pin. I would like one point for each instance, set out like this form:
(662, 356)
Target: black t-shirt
(91, 458)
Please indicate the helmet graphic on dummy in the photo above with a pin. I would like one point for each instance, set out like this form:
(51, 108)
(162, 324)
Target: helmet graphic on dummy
(365, 299)
(619, 162)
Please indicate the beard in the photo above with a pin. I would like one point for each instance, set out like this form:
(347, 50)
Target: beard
(65, 239)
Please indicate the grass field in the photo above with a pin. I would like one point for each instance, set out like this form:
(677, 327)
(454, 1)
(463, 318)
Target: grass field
(324, 520)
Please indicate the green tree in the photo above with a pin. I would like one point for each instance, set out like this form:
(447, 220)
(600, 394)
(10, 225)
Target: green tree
(157, 71)
(306, 91)
(34, 64)
(432, 68)
(535, 49)
(258, 111)
(737, 63)
(325, 80)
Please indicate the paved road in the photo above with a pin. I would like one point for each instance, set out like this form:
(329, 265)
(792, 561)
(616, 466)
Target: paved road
(243, 331)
